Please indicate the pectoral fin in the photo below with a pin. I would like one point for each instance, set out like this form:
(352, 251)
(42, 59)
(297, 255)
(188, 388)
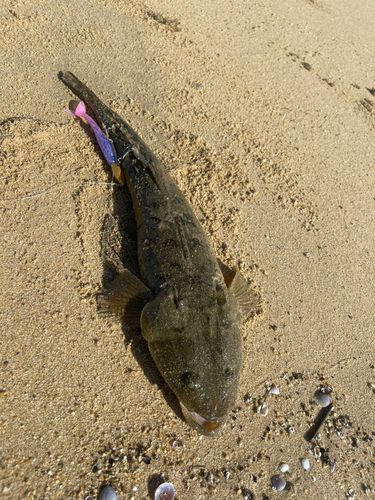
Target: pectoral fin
(125, 298)
(249, 301)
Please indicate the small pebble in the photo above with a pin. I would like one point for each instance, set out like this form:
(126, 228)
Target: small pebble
(305, 463)
(278, 483)
(246, 494)
(108, 494)
(322, 398)
(165, 492)
(284, 468)
(313, 479)
(262, 410)
(274, 390)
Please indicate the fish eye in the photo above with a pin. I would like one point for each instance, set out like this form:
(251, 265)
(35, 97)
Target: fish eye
(190, 379)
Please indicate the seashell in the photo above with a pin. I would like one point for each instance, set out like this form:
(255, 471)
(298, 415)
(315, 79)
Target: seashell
(351, 493)
(165, 492)
(274, 390)
(322, 398)
(108, 494)
(317, 452)
(284, 468)
(262, 410)
(278, 482)
(305, 463)
(332, 467)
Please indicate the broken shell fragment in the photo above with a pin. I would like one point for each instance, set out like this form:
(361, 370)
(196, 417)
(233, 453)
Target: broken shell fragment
(284, 468)
(262, 410)
(278, 482)
(322, 398)
(305, 463)
(165, 492)
(274, 390)
(108, 494)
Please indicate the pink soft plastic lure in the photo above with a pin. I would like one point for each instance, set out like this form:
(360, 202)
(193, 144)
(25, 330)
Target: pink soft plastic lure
(103, 141)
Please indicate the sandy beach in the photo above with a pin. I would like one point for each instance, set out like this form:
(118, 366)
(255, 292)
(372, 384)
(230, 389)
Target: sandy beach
(264, 115)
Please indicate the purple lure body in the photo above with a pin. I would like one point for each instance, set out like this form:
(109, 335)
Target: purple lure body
(103, 141)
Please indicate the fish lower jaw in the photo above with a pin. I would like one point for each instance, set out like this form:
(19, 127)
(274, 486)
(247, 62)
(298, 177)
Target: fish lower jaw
(200, 424)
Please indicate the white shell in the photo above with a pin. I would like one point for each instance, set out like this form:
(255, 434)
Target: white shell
(108, 494)
(284, 468)
(322, 398)
(305, 463)
(165, 492)
(278, 482)
(262, 410)
(274, 390)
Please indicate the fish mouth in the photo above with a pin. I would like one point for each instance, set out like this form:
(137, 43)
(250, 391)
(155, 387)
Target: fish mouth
(200, 424)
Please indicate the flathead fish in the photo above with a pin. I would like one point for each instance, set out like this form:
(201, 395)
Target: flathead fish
(188, 310)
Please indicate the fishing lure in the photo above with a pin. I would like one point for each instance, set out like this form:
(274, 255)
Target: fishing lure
(103, 141)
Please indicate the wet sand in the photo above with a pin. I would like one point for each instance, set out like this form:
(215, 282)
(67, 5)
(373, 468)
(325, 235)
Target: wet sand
(264, 115)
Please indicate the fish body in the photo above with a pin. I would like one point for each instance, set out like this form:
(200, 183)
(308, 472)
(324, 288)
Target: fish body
(189, 313)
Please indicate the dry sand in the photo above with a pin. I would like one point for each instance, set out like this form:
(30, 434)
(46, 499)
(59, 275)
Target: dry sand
(264, 113)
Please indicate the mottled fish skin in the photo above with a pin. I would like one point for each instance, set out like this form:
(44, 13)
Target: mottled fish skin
(192, 321)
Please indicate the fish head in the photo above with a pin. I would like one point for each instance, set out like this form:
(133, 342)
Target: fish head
(196, 343)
